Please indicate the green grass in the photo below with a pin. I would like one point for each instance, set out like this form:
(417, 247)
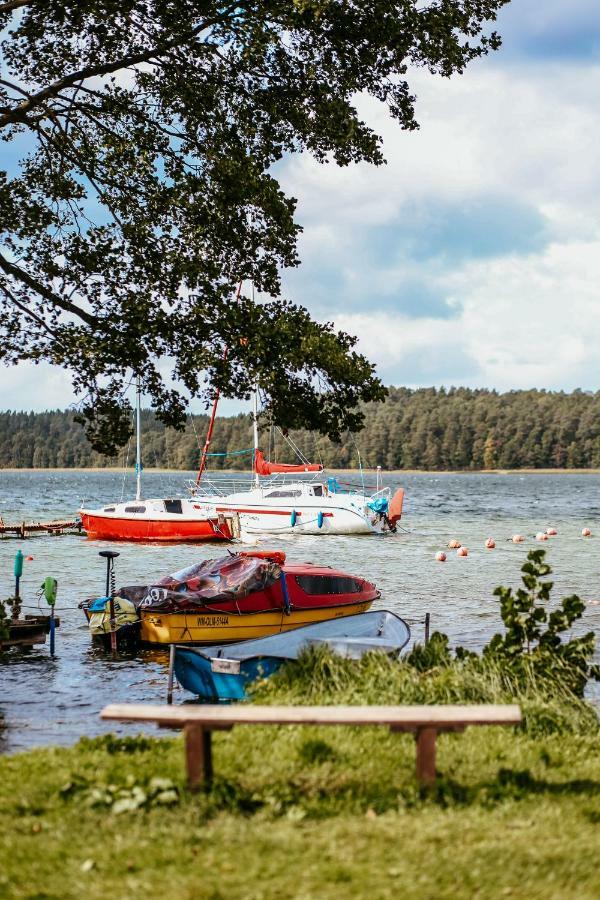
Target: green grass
(309, 812)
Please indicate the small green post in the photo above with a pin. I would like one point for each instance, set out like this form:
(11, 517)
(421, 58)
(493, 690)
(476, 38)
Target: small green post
(18, 571)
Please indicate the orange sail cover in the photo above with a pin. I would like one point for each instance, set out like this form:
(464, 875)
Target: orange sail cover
(262, 467)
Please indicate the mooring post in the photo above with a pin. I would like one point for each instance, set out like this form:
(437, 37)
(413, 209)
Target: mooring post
(171, 667)
(50, 587)
(110, 556)
(426, 628)
(52, 631)
(18, 571)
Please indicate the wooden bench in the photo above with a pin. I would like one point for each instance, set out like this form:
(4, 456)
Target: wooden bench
(199, 721)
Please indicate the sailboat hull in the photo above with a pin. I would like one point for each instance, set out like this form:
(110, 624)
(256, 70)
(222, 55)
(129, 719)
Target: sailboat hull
(98, 527)
(321, 516)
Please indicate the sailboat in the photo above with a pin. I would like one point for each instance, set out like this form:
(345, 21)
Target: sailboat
(280, 502)
(164, 519)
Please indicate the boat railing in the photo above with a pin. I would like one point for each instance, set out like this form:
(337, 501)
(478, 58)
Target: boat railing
(222, 485)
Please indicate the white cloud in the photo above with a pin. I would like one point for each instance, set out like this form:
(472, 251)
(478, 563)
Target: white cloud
(525, 322)
(35, 388)
(526, 137)
(525, 133)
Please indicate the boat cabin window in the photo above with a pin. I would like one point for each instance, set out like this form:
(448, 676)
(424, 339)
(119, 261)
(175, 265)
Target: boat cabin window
(135, 509)
(318, 490)
(284, 494)
(328, 584)
(109, 509)
(173, 506)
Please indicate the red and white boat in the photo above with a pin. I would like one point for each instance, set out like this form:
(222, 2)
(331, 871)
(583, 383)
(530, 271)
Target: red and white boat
(157, 520)
(171, 519)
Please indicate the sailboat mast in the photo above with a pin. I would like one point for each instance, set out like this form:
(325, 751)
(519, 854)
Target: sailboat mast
(138, 436)
(209, 432)
(255, 424)
(211, 423)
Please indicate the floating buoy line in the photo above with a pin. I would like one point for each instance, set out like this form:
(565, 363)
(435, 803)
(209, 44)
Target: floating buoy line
(490, 543)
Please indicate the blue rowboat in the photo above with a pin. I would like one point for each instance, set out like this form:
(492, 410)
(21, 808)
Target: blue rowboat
(223, 672)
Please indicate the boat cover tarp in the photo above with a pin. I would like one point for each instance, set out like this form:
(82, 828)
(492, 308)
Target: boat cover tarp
(232, 577)
(262, 467)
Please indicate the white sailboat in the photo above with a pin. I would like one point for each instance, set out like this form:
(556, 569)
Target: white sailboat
(281, 501)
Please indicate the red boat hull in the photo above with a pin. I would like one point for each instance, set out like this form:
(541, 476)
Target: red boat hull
(123, 529)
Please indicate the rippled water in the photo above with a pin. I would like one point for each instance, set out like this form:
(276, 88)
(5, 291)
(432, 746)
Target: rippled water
(56, 701)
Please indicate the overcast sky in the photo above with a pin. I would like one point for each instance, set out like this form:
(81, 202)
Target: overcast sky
(472, 257)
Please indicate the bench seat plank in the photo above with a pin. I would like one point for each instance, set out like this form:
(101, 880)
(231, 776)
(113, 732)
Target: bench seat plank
(408, 717)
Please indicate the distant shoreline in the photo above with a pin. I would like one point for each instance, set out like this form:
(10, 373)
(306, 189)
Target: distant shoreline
(370, 472)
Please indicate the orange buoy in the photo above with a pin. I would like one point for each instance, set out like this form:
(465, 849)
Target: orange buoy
(462, 551)
(541, 536)
(453, 544)
(517, 538)
(490, 543)
(440, 556)
(551, 531)
(586, 532)
(29, 559)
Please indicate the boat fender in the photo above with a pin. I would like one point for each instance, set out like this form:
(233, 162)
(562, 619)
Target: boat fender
(320, 519)
(293, 518)
(49, 588)
(276, 556)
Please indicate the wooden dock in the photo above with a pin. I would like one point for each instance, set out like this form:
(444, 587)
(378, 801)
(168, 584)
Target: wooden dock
(28, 631)
(27, 529)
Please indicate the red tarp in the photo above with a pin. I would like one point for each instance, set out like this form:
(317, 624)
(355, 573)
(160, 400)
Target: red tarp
(229, 578)
(262, 467)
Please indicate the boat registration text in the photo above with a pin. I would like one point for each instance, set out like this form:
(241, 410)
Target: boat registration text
(212, 621)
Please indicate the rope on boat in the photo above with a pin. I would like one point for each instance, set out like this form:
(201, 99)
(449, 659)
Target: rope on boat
(232, 452)
(281, 528)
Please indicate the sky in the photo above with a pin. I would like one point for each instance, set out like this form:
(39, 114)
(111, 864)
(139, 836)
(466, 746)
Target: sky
(473, 257)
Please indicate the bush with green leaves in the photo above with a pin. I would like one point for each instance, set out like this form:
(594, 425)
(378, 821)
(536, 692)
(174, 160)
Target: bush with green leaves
(534, 635)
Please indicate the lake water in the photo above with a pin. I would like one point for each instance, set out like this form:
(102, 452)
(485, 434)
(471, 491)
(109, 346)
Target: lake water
(55, 701)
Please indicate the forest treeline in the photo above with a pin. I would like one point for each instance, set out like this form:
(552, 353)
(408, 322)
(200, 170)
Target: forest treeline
(427, 428)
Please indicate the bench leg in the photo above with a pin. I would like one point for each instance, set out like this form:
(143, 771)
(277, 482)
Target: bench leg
(198, 755)
(426, 755)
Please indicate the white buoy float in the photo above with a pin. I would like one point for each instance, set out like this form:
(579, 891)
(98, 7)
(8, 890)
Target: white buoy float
(551, 531)
(453, 544)
(490, 544)
(462, 551)
(440, 556)
(517, 538)
(586, 532)
(541, 536)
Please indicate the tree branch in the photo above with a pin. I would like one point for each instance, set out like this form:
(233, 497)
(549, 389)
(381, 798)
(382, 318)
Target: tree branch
(28, 312)
(12, 4)
(19, 114)
(41, 289)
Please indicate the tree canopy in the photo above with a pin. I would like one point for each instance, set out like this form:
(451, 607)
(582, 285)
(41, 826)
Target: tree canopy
(147, 133)
(428, 428)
